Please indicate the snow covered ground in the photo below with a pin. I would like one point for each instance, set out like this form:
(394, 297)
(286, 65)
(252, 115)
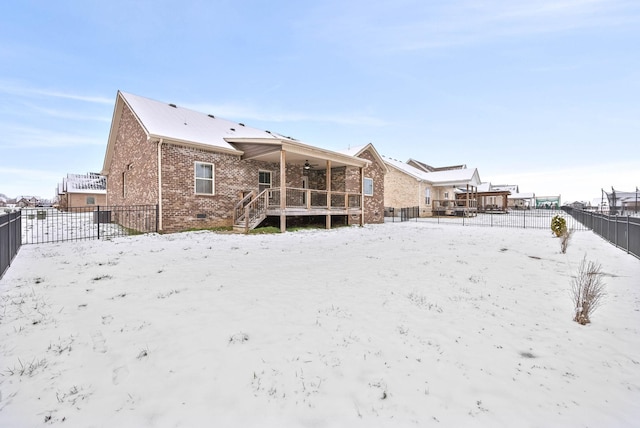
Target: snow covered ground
(405, 324)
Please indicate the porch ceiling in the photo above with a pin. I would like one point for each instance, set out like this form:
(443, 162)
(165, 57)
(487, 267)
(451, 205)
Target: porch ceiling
(296, 154)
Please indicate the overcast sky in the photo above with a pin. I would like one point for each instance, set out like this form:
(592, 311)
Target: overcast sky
(544, 94)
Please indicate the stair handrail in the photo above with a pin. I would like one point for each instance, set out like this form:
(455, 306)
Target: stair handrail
(238, 210)
(248, 211)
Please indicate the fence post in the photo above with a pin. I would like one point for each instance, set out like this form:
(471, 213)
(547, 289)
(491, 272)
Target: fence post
(628, 232)
(98, 221)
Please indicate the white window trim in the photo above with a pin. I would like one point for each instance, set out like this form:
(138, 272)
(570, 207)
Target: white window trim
(196, 178)
(364, 187)
(270, 178)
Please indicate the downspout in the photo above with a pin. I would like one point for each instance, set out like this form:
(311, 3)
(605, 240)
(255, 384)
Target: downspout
(160, 141)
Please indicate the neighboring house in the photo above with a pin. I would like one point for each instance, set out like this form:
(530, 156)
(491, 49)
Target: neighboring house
(82, 191)
(547, 202)
(26, 201)
(623, 202)
(492, 199)
(206, 172)
(434, 193)
(522, 201)
(517, 200)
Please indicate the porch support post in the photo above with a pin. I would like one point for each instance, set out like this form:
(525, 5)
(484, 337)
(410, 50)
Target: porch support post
(328, 221)
(283, 191)
(467, 203)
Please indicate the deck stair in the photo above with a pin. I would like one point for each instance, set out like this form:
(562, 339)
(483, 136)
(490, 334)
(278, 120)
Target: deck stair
(250, 212)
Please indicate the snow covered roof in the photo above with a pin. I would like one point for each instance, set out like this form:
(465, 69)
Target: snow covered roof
(162, 120)
(485, 187)
(522, 196)
(454, 176)
(428, 168)
(90, 182)
(406, 168)
(357, 150)
(441, 178)
(354, 151)
(180, 125)
(513, 188)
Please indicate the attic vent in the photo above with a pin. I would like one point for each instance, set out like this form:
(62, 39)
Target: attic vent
(211, 116)
(241, 124)
(172, 105)
(233, 129)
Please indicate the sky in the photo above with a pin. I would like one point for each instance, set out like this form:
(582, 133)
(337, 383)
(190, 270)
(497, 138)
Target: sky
(543, 94)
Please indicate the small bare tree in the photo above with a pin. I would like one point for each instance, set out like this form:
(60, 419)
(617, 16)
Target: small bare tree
(564, 240)
(587, 290)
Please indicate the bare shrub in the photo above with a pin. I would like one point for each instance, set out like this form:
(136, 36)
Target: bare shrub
(587, 290)
(564, 240)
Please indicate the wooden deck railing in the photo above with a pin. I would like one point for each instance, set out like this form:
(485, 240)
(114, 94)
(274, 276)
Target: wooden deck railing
(311, 199)
(455, 207)
(297, 202)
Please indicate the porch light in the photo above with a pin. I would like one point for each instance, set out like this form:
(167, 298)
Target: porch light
(307, 165)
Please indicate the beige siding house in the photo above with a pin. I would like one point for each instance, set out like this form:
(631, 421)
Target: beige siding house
(433, 192)
(85, 191)
(204, 172)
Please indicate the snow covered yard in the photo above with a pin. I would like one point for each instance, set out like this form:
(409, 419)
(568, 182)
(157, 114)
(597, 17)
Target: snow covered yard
(409, 324)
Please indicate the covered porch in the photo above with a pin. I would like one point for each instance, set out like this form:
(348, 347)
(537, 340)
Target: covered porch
(310, 182)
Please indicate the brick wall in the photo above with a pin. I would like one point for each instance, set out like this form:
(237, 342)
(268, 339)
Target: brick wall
(373, 205)
(402, 190)
(184, 209)
(136, 158)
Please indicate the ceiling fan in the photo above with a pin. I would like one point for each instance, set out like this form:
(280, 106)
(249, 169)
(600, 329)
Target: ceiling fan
(308, 166)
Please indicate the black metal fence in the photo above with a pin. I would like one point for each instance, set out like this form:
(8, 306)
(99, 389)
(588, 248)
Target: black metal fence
(10, 238)
(406, 214)
(621, 231)
(521, 219)
(47, 225)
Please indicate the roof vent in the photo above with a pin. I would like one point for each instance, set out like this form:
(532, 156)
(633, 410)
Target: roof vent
(233, 129)
(211, 116)
(172, 105)
(241, 124)
(268, 132)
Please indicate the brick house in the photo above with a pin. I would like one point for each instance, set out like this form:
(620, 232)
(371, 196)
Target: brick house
(204, 172)
(442, 191)
(82, 191)
(374, 175)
